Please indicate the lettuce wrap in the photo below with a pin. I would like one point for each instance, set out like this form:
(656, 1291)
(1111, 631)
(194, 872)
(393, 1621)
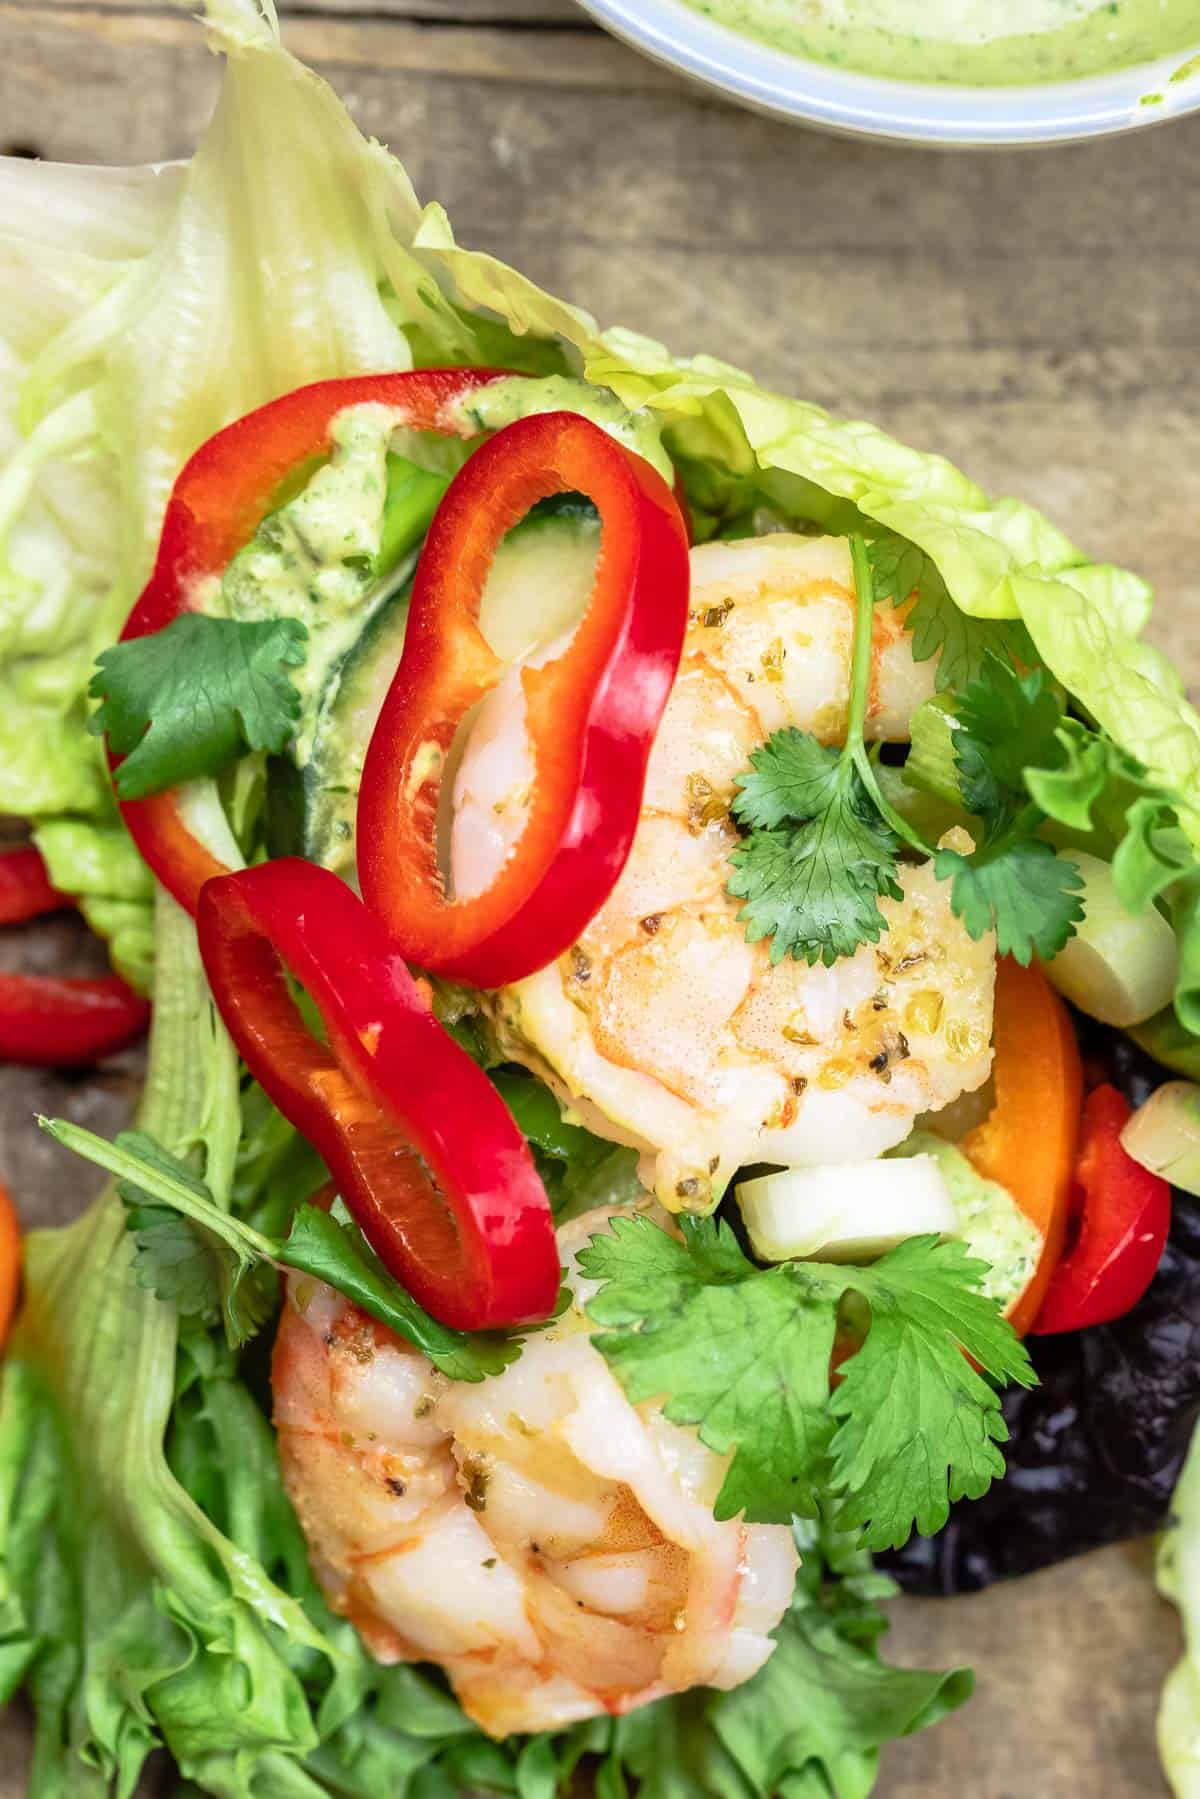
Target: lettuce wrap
(154, 1583)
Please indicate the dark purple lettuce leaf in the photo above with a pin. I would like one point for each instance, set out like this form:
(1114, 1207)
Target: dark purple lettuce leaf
(1096, 1448)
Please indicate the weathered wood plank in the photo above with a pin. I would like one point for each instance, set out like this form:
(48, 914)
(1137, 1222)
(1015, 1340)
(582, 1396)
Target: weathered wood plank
(514, 13)
(942, 295)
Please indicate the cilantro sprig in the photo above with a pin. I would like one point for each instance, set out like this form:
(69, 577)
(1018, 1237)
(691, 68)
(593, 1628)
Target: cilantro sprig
(821, 846)
(823, 843)
(1013, 883)
(194, 1255)
(187, 700)
(744, 1354)
(901, 571)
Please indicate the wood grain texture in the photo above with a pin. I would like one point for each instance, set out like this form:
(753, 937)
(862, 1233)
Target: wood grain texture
(1030, 315)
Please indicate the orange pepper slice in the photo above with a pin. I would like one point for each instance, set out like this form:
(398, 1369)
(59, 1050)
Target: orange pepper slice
(1028, 1141)
(10, 1261)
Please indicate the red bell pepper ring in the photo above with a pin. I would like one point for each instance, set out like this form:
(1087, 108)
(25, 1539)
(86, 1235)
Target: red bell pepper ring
(1124, 1214)
(26, 890)
(419, 1143)
(48, 1021)
(220, 499)
(591, 713)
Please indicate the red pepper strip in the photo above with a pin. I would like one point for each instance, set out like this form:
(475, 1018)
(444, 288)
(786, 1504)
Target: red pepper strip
(1124, 1214)
(418, 1141)
(47, 1021)
(26, 890)
(217, 504)
(591, 713)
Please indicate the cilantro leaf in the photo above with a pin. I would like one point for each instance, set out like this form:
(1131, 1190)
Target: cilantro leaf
(176, 1258)
(791, 778)
(1005, 721)
(171, 1259)
(1013, 883)
(743, 1354)
(918, 1426)
(820, 851)
(814, 892)
(1018, 888)
(739, 1354)
(187, 700)
(901, 569)
(240, 1258)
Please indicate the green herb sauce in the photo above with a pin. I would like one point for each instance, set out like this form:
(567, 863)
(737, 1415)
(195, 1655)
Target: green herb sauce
(979, 42)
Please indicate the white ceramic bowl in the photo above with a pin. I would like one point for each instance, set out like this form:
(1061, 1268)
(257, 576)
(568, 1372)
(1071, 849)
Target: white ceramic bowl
(813, 93)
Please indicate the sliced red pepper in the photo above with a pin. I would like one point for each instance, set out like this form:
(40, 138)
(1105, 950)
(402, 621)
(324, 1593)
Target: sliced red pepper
(26, 890)
(419, 1143)
(591, 713)
(220, 499)
(48, 1021)
(1123, 1214)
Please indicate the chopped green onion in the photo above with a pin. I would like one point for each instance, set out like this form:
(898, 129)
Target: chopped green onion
(1120, 966)
(845, 1211)
(1164, 1135)
(931, 766)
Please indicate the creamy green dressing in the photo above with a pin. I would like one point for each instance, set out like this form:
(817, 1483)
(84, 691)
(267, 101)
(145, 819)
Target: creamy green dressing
(503, 402)
(990, 1222)
(314, 558)
(982, 42)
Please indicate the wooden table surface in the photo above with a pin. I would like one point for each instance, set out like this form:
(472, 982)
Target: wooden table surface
(1032, 315)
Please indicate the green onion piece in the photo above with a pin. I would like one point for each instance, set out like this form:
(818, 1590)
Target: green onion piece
(1164, 1135)
(931, 767)
(1120, 966)
(846, 1211)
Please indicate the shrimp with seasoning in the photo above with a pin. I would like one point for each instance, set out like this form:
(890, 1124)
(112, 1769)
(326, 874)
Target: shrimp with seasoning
(552, 1546)
(662, 1027)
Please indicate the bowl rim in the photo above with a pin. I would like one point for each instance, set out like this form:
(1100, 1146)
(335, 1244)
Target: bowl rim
(797, 88)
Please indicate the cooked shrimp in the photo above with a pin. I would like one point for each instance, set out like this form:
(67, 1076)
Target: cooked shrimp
(663, 1027)
(552, 1546)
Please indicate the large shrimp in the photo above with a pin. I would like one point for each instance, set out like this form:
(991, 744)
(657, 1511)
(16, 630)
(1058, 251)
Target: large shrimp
(551, 1545)
(663, 1027)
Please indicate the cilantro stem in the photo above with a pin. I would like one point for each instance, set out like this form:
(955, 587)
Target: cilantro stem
(864, 634)
(860, 687)
(159, 1186)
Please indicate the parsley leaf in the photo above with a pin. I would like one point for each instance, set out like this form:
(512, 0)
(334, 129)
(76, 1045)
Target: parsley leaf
(187, 700)
(901, 569)
(743, 1354)
(820, 850)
